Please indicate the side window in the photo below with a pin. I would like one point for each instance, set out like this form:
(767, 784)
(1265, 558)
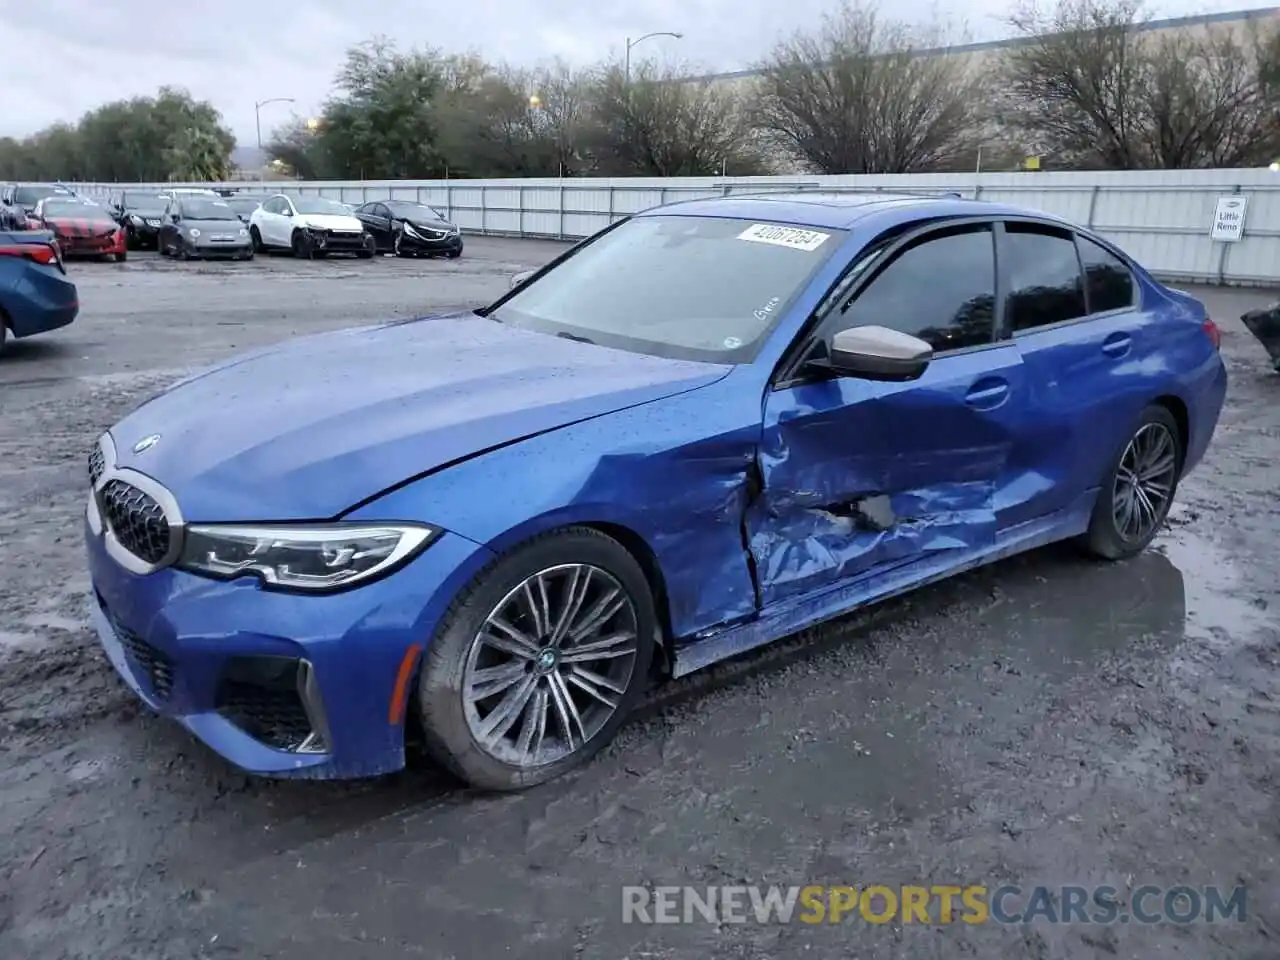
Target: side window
(1045, 285)
(382, 210)
(274, 205)
(1107, 279)
(942, 290)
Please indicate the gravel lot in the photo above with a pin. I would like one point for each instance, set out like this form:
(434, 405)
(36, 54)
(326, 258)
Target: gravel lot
(1046, 721)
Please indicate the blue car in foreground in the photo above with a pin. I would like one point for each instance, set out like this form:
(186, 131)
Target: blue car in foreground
(36, 295)
(711, 425)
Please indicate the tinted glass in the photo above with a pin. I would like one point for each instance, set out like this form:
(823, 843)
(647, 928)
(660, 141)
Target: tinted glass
(321, 205)
(696, 288)
(1044, 277)
(197, 209)
(942, 291)
(244, 204)
(1109, 281)
(32, 193)
(143, 202)
(419, 210)
(74, 209)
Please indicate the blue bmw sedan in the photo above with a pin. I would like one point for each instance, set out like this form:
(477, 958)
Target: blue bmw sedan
(709, 426)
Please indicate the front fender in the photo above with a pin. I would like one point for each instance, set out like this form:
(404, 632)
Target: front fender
(674, 473)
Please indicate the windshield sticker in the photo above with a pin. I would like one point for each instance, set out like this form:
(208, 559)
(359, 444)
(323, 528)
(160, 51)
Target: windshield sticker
(765, 312)
(732, 343)
(793, 237)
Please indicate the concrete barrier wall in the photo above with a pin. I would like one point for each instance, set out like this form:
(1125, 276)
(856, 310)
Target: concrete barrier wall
(1162, 218)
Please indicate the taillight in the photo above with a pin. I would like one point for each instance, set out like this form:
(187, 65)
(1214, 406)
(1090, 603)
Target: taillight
(1213, 333)
(40, 253)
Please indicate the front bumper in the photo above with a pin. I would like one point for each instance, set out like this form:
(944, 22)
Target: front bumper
(329, 241)
(451, 243)
(91, 246)
(43, 299)
(241, 247)
(279, 684)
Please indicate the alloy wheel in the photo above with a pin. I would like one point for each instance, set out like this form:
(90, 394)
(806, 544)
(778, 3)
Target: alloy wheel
(550, 665)
(1144, 481)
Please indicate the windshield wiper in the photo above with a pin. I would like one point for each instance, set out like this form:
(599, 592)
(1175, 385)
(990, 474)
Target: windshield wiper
(571, 336)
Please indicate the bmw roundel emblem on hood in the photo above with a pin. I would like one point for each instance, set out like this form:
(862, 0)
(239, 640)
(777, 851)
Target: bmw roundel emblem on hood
(146, 443)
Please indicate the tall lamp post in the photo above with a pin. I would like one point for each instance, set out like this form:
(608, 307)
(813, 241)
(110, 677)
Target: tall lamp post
(626, 69)
(257, 113)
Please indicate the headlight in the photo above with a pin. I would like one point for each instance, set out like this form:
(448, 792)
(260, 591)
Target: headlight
(408, 228)
(297, 558)
(194, 232)
(244, 232)
(135, 220)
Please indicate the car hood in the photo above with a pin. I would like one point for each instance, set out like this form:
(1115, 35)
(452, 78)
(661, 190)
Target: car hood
(215, 226)
(429, 223)
(310, 428)
(329, 221)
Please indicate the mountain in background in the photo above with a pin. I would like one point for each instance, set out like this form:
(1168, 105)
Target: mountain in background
(249, 158)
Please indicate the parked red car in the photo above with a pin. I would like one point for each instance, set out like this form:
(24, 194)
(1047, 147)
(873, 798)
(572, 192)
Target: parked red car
(81, 227)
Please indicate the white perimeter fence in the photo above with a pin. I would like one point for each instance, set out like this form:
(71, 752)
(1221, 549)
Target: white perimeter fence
(1182, 224)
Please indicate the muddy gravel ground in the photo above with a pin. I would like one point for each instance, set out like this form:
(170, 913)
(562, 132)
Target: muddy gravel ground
(1046, 721)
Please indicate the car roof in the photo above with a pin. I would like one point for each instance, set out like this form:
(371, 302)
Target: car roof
(840, 211)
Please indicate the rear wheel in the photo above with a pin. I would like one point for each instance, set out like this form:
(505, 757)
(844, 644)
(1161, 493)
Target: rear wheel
(1138, 491)
(122, 257)
(538, 661)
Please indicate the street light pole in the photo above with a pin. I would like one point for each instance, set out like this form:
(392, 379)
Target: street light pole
(257, 113)
(626, 69)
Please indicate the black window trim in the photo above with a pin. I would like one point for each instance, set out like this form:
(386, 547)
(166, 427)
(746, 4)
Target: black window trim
(788, 372)
(1075, 233)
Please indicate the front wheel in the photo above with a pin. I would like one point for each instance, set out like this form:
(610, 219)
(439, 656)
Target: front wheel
(538, 661)
(1136, 495)
(255, 237)
(122, 257)
(302, 246)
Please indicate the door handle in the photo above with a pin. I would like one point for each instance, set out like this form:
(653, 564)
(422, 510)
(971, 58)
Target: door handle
(987, 394)
(1117, 345)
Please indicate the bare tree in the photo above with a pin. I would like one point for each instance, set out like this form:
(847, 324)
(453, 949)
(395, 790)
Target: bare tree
(1093, 88)
(656, 122)
(865, 94)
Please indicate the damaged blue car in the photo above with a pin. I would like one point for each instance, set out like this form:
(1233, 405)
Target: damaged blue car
(709, 426)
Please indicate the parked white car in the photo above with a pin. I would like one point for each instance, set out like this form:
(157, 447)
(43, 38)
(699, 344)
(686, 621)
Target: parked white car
(308, 226)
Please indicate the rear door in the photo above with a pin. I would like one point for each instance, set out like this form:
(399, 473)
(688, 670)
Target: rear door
(1071, 309)
(859, 475)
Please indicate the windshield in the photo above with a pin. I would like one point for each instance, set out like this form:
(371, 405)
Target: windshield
(143, 203)
(196, 209)
(688, 288)
(401, 209)
(30, 194)
(77, 209)
(321, 205)
(245, 204)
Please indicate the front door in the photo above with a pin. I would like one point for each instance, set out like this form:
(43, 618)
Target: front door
(858, 475)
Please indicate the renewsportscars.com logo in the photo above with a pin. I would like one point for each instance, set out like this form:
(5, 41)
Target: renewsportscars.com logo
(934, 904)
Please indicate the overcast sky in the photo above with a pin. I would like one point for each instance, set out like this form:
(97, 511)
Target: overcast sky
(63, 57)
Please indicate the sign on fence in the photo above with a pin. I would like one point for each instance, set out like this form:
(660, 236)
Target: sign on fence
(1228, 219)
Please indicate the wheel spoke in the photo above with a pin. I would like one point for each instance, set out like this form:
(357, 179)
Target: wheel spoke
(490, 681)
(534, 730)
(1157, 468)
(602, 688)
(570, 720)
(512, 641)
(508, 711)
(575, 596)
(601, 612)
(537, 604)
(615, 645)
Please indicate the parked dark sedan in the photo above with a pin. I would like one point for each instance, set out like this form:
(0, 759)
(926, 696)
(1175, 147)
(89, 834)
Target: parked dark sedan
(410, 229)
(198, 226)
(25, 196)
(139, 212)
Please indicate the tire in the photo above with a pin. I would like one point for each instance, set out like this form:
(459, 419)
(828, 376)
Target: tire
(302, 247)
(4, 331)
(452, 721)
(1116, 531)
(255, 236)
(454, 254)
(122, 257)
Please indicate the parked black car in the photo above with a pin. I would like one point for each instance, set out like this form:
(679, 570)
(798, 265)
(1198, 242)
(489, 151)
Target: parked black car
(139, 212)
(1264, 324)
(410, 229)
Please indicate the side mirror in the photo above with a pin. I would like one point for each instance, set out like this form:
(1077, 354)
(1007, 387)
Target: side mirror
(878, 353)
(520, 278)
(288, 212)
